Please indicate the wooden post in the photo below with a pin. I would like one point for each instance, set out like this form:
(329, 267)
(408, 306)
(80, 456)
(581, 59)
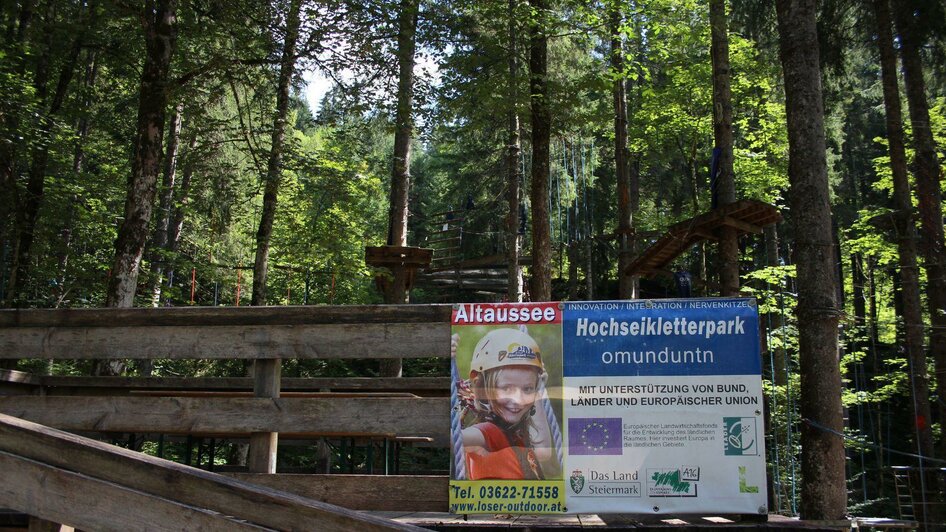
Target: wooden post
(266, 378)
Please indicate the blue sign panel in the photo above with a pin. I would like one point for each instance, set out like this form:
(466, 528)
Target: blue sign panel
(667, 337)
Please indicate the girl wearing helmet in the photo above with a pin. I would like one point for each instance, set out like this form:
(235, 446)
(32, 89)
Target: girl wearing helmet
(507, 433)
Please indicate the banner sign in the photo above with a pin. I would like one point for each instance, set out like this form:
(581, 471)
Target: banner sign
(607, 407)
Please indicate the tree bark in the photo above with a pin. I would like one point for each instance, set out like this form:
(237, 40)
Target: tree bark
(725, 179)
(159, 239)
(159, 21)
(927, 174)
(626, 283)
(396, 291)
(274, 167)
(541, 283)
(906, 231)
(513, 173)
(823, 486)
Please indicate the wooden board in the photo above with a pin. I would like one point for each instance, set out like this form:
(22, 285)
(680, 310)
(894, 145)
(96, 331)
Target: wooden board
(345, 341)
(361, 384)
(91, 504)
(416, 493)
(284, 315)
(193, 487)
(211, 416)
(382, 256)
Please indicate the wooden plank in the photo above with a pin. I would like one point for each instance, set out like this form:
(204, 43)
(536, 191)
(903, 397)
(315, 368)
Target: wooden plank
(366, 384)
(186, 415)
(324, 395)
(397, 255)
(18, 377)
(91, 504)
(14, 382)
(371, 340)
(745, 227)
(176, 316)
(258, 504)
(414, 493)
(262, 453)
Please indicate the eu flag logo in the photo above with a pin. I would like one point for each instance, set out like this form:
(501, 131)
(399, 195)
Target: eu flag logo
(595, 436)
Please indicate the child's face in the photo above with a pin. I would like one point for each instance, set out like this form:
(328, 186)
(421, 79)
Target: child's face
(514, 393)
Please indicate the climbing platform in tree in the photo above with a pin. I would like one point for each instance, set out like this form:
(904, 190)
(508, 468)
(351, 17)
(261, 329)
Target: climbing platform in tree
(746, 216)
(388, 256)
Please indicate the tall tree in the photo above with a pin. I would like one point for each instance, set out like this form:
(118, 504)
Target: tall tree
(906, 228)
(159, 239)
(541, 285)
(28, 207)
(158, 20)
(823, 487)
(928, 176)
(396, 290)
(626, 283)
(274, 166)
(513, 170)
(725, 179)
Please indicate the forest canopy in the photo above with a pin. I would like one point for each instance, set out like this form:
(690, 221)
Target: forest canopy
(163, 153)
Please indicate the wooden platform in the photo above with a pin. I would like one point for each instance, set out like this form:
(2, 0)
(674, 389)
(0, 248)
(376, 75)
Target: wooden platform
(387, 256)
(746, 216)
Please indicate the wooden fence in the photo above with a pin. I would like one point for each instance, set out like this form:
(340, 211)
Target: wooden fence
(263, 407)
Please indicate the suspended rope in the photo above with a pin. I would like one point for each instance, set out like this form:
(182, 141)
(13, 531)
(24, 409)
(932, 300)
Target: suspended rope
(774, 409)
(553, 423)
(790, 404)
(844, 436)
(459, 456)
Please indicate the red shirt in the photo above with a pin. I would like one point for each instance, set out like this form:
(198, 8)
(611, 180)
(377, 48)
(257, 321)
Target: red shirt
(501, 462)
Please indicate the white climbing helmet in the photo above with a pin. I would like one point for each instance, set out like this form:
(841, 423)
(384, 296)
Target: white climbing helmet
(505, 347)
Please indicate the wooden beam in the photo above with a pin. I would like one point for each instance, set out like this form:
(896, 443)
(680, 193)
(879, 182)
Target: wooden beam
(701, 234)
(62, 496)
(262, 453)
(239, 415)
(56, 384)
(194, 487)
(367, 340)
(204, 316)
(18, 377)
(409, 493)
(745, 227)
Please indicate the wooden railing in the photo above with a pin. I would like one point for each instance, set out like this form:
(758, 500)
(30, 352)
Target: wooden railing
(263, 407)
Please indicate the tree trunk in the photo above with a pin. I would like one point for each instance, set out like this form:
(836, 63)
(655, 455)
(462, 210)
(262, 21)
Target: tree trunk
(274, 167)
(541, 284)
(159, 20)
(725, 180)
(906, 232)
(927, 173)
(157, 259)
(177, 221)
(626, 284)
(779, 376)
(513, 174)
(823, 485)
(82, 132)
(396, 291)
